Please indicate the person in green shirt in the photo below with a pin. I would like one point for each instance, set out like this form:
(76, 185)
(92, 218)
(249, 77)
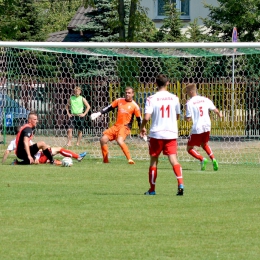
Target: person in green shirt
(76, 113)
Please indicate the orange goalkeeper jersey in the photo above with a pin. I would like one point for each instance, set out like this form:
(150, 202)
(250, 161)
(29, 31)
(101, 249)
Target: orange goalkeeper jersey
(126, 111)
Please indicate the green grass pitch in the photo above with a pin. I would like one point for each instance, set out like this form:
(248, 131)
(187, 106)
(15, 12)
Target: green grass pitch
(98, 211)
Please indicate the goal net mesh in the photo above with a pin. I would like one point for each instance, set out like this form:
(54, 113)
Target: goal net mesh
(43, 79)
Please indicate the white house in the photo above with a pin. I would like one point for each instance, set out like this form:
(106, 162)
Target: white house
(191, 10)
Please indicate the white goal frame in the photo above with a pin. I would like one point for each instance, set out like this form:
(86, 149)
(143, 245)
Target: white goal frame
(223, 147)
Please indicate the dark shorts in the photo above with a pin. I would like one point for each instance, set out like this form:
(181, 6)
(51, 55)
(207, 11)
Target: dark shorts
(76, 122)
(21, 153)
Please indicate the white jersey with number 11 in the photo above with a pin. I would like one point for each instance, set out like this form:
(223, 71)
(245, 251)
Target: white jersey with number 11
(163, 107)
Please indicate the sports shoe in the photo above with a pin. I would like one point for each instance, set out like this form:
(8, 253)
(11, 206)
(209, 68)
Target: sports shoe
(130, 161)
(14, 162)
(150, 193)
(180, 190)
(203, 164)
(215, 164)
(81, 156)
(57, 162)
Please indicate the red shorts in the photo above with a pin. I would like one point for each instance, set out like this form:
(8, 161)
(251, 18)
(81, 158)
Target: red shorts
(43, 158)
(115, 131)
(198, 139)
(167, 146)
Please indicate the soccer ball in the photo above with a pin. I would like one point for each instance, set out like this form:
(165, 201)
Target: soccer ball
(67, 162)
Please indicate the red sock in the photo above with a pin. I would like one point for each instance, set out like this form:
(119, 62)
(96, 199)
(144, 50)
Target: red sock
(125, 151)
(152, 177)
(195, 154)
(178, 172)
(208, 151)
(68, 153)
(104, 149)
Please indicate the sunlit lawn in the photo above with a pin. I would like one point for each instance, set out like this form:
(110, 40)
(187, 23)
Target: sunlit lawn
(98, 211)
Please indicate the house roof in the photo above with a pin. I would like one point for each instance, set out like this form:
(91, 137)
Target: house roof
(69, 35)
(80, 18)
(65, 36)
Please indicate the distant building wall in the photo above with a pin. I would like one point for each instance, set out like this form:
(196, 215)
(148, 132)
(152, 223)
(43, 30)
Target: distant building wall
(196, 10)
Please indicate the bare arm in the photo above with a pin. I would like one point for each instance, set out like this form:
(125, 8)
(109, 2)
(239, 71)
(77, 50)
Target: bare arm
(188, 119)
(144, 122)
(67, 108)
(216, 111)
(5, 155)
(27, 149)
(85, 102)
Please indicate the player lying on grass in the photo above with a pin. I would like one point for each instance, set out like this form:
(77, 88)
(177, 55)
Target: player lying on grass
(41, 158)
(11, 147)
(25, 151)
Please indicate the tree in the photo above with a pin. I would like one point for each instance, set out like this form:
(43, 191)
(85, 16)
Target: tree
(104, 25)
(128, 18)
(170, 31)
(196, 33)
(56, 14)
(20, 21)
(133, 22)
(30, 20)
(100, 27)
(121, 14)
(242, 14)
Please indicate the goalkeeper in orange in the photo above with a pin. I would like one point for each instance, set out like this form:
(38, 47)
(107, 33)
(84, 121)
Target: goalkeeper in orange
(126, 109)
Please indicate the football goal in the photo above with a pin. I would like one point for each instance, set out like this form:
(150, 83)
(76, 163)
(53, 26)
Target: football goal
(41, 76)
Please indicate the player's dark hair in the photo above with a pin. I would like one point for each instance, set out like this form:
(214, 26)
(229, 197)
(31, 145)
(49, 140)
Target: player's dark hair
(161, 80)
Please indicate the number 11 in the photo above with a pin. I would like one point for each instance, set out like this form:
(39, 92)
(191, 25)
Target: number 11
(167, 109)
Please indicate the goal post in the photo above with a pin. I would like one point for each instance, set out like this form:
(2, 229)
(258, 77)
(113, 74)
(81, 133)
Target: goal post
(40, 76)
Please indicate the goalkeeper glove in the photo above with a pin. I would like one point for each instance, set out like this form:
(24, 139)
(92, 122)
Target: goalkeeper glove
(95, 115)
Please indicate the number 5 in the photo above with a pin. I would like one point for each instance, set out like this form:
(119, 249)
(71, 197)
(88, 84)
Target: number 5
(201, 111)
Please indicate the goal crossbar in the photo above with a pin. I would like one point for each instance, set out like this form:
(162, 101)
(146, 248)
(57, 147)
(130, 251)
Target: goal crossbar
(132, 44)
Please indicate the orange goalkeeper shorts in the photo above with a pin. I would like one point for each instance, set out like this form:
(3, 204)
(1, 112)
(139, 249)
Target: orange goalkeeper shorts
(117, 131)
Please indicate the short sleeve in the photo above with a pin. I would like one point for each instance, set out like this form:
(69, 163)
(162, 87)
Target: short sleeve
(188, 112)
(178, 107)
(148, 106)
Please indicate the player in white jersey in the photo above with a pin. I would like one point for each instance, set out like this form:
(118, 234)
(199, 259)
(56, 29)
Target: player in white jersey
(164, 110)
(197, 110)
(11, 147)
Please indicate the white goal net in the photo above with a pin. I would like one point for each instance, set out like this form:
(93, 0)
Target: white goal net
(41, 77)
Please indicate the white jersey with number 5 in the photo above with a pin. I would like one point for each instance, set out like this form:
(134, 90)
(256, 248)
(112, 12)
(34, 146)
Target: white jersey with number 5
(163, 107)
(198, 109)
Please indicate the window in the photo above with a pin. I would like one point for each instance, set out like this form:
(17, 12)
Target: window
(182, 5)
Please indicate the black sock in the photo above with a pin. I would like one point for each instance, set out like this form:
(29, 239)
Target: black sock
(47, 153)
